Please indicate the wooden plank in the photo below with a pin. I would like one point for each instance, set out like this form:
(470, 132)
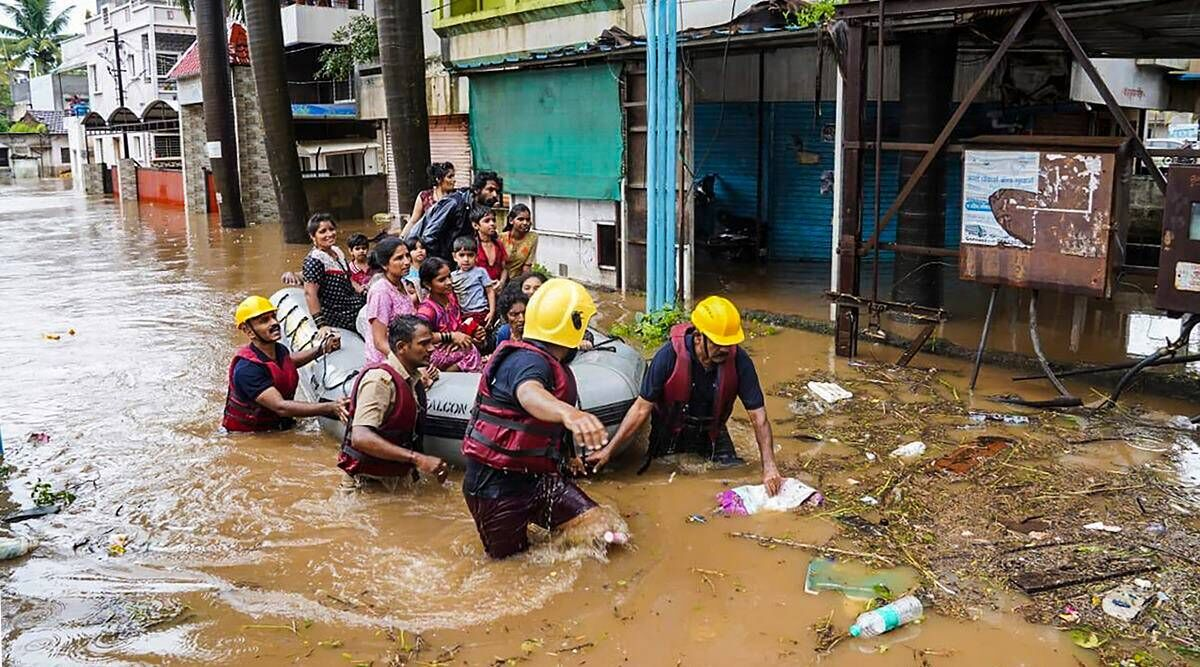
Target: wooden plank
(1072, 574)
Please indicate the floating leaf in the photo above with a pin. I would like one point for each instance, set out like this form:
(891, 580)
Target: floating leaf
(531, 645)
(1088, 638)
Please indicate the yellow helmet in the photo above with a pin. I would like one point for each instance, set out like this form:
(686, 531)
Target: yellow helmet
(250, 308)
(559, 313)
(718, 319)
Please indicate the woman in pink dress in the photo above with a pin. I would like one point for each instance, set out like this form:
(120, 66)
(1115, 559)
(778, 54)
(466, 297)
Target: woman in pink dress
(441, 179)
(453, 349)
(386, 297)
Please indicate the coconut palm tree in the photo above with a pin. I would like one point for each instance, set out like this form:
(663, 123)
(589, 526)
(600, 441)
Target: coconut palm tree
(402, 55)
(36, 33)
(265, 30)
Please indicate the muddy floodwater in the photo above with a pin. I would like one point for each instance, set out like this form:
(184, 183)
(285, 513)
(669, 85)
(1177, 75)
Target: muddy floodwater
(116, 340)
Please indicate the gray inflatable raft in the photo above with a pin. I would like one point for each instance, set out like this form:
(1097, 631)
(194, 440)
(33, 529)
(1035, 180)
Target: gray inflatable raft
(608, 378)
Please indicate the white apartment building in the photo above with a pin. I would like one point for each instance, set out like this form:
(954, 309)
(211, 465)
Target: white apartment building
(149, 36)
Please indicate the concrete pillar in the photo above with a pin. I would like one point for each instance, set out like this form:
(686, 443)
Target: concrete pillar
(258, 191)
(195, 159)
(127, 179)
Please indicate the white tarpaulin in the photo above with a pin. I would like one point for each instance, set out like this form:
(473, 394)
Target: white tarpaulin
(985, 172)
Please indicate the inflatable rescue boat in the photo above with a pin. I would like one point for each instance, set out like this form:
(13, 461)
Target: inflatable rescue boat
(608, 378)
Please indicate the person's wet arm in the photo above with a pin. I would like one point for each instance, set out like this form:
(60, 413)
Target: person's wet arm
(542, 405)
(751, 395)
(274, 401)
(637, 415)
(328, 344)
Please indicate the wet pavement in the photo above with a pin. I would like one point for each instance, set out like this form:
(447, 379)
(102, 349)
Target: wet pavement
(245, 548)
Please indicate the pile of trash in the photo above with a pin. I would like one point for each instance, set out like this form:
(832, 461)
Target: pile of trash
(972, 498)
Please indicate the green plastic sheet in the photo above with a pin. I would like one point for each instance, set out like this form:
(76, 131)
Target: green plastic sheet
(554, 133)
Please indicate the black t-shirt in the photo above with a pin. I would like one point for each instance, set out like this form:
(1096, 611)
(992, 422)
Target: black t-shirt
(251, 380)
(519, 366)
(704, 381)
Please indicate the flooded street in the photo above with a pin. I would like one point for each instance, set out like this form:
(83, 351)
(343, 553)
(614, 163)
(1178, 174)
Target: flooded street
(246, 547)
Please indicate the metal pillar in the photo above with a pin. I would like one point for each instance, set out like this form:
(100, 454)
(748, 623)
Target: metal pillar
(652, 140)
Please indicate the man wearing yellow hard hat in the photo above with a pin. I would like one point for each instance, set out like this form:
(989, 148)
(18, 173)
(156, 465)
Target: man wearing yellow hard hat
(263, 377)
(517, 441)
(689, 390)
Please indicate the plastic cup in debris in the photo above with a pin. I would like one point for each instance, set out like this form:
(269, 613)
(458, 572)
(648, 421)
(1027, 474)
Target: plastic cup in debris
(909, 451)
(1100, 525)
(830, 392)
(15, 547)
(888, 617)
(1012, 420)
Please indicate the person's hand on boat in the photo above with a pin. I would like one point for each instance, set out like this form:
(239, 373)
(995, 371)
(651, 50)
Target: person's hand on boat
(460, 340)
(429, 375)
(339, 409)
(291, 279)
(587, 429)
(772, 480)
(432, 465)
(331, 343)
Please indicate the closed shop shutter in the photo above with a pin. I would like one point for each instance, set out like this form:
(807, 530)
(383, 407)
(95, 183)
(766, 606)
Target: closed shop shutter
(450, 141)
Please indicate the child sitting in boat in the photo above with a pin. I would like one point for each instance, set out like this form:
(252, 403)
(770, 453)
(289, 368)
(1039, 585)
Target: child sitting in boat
(360, 269)
(475, 289)
(454, 350)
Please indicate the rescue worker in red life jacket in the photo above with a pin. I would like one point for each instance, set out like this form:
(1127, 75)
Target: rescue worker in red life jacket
(517, 441)
(387, 410)
(263, 377)
(688, 392)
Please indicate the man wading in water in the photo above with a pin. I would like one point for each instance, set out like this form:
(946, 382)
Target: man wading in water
(689, 389)
(387, 410)
(517, 438)
(263, 377)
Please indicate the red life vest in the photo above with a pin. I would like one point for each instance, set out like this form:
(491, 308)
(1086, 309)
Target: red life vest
(672, 407)
(508, 438)
(402, 427)
(243, 413)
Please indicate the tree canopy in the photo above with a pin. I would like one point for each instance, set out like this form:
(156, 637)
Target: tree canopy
(35, 34)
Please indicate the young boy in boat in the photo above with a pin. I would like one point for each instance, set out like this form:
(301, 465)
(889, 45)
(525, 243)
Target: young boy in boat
(387, 411)
(263, 376)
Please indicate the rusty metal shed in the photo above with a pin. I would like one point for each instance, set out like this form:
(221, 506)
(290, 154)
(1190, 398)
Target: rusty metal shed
(1113, 29)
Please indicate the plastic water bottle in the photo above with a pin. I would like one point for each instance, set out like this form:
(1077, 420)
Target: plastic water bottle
(887, 618)
(15, 547)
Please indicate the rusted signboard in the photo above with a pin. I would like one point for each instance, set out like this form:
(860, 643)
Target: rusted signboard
(1179, 266)
(1040, 212)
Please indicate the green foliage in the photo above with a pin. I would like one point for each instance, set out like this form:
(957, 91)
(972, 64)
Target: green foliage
(357, 44)
(5, 469)
(35, 33)
(21, 127)
(43, 494)
(816, 12)
(4, 124)
(651, 329)
(542, 271)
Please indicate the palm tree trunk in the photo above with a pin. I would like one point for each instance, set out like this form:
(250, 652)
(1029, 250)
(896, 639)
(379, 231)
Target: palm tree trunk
(402, 54)
(265, 32)
(213, 44)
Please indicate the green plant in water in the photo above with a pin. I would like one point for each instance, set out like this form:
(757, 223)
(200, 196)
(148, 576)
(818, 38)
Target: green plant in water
(817, 12)
(651, 329)
(44, 494)
(5, 469)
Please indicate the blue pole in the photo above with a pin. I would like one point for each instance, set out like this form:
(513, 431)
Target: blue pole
(661, 207)
(651, 153)
(671, 151)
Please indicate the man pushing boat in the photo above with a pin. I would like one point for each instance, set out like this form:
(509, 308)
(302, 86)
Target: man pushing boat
(263, 377)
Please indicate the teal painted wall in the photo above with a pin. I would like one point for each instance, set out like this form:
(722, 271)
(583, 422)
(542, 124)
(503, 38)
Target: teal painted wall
(554, 132)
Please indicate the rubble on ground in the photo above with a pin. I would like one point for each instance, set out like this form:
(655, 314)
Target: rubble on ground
(998, 504)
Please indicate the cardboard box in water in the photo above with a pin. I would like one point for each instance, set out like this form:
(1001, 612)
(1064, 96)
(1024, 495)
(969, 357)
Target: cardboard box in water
(1043, 212)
